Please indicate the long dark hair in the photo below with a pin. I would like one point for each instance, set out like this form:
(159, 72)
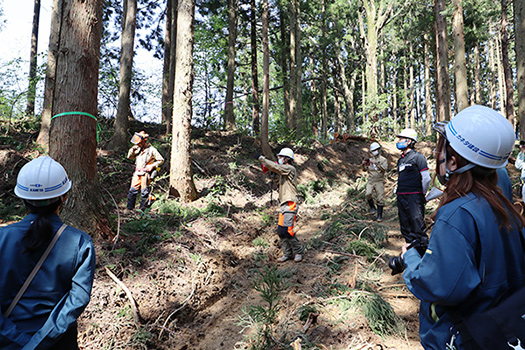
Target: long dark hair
(41, 229)
(483, 182)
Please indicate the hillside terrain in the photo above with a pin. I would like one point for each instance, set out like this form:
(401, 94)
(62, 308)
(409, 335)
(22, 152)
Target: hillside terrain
(204, 275)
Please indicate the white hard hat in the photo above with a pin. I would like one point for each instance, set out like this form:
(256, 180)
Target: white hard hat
(408, 134)
(482, 136)
(374, 146)
(286, 152)
(41, 179)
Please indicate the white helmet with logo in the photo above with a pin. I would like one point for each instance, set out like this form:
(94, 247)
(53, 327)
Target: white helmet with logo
(42, 179)
(408, 134)
(286, 152)
(482, 136)
(374, 146)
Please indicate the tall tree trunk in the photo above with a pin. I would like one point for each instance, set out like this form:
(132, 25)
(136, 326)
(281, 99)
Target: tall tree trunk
(52, 54)
(299, 73)
(285, 53)
(32, 60)
(460, 63)
(442, 77)
(428, 87)
(181, 176)
(73, 139)
(519, 32)
(120, 138)
(507, 69)
(173, 61)
(411, 90)
(394, 97)
(347, 94)
(229, 118)
(338, 118)
(406, 94)
(255, 75)
(501, 77)
(168, 73)
(324, 127)
(291, 122)
(492, 53)
(477, 75)
(265, 145)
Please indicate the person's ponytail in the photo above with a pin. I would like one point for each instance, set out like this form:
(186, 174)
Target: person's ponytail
(41, 229)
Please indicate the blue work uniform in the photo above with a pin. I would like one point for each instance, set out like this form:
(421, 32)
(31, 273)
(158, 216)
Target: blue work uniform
(505, 183)
(59, 292)
(469, 263)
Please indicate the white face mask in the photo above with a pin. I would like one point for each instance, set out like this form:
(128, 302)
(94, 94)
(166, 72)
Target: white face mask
(375, 153)
(281, 161)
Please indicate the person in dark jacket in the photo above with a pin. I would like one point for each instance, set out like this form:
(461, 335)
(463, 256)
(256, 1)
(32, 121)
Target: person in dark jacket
(475, 254)
(45, 316)
(412, 185)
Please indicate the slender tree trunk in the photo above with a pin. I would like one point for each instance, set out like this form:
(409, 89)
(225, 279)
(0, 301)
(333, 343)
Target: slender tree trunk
(442, 77)
(73, 139)
(173, 62)
(337, 104)
(477, 76)
(33, 60)
(460, 63)
(347, 94)
(167, 103)
(284, 61)
(507, 69)
(501, 77)
(255, 75)
(519, 32)
(394, 98)
(299, 72)
(411, 90)
(291, 122)
(120, 138)
(324, 129)
(315, 108)
(49, 89)
(428, 88)
(181, 176)
(493, 72)
(229, 118)
(407, 95)
(265, 145)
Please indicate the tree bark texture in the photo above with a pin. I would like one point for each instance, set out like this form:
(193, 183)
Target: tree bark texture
(291, 121)
(324, 88)
(298, 72)
(31, 93)
(442, 77)
(519, 32)
(166, 103)
(73, 137)
(265, 145)
(460, 63)
(507, 69)
(181, 176)
(49, 89)
(428, 88)
(285, 55)
(255, 75)
(229, 118)
(120, 137)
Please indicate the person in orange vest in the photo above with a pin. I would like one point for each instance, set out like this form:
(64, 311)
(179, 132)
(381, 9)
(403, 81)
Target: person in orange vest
(147, 161)
(290, 245)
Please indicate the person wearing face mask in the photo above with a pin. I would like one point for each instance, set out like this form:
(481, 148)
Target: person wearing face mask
(290, 245)
(520, 165)
(376, 167)
(412, 185)
(475, 253)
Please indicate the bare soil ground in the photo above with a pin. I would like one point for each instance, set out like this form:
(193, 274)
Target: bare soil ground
(191, 268)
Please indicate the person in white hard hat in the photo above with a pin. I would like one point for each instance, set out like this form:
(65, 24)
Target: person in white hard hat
(412, 185)
(290, 245)
(475, 253)
(43, 316)
(376, 166)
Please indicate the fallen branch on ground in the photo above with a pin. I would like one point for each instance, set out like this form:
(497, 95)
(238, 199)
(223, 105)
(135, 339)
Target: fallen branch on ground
(136, 315)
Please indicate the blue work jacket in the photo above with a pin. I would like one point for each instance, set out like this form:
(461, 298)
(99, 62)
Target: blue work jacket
(469, 263)
(57, 295)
